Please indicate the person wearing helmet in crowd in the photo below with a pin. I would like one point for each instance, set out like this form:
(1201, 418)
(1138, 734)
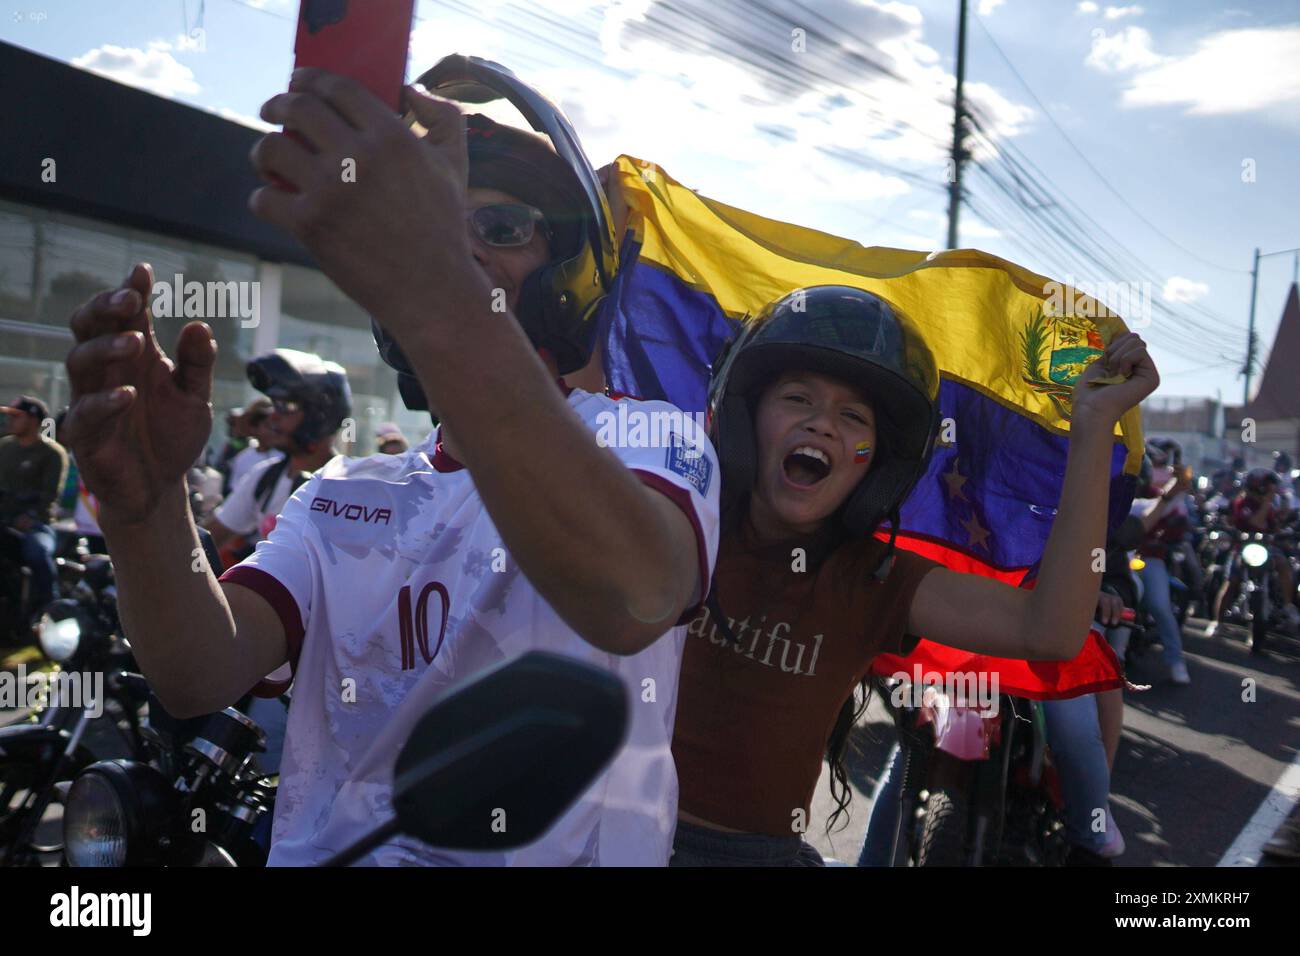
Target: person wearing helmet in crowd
(1223, 488)
(1258, 509)
(309, 399)
(1285, 479)
(481, 252)
(1169, 482)
(390, 440)
(824, 412)
(1186, 512)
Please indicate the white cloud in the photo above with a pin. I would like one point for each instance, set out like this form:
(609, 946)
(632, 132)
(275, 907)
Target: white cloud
(154, 69)
(1087, 6)
(1179, 289)
(1235, 71)
(988, 6)
(735, 112)
(1129, 49)
(1118, 13)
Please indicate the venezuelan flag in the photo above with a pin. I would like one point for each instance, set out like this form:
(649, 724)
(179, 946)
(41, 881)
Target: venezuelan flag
(1008, 343)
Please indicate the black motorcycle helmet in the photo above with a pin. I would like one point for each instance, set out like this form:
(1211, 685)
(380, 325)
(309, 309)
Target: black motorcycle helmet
(320, 387)
(557, 303)
(1165, 452)
(855, 336)
(1258, 480)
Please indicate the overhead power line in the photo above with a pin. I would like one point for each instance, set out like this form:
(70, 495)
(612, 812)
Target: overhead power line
(1087, 162)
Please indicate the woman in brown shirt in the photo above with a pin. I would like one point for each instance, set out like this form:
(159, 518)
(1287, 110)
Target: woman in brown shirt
(823, 413)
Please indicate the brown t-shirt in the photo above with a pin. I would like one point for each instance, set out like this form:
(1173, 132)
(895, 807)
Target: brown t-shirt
(753, 718)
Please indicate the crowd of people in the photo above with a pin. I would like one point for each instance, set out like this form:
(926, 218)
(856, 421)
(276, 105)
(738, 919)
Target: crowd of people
(816, 435)
(235, 490)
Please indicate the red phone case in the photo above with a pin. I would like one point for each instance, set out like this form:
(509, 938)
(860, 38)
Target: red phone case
(366, 40)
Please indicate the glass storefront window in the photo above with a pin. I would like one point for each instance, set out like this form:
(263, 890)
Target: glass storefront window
(17, 264)
(52, 262)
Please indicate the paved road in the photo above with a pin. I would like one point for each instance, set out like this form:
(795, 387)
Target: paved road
(1194, 762)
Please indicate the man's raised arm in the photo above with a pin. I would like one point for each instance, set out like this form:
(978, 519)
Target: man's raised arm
(136, 424)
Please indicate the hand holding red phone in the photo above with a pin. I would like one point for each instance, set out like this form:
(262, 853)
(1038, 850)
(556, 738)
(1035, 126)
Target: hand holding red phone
(382, 210)
(365, 41)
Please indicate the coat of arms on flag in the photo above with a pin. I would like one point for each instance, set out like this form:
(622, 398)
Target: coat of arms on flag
(1070, 344)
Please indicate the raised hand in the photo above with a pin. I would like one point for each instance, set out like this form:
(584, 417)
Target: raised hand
(1105, 404)
(138, 420)
(391, 234)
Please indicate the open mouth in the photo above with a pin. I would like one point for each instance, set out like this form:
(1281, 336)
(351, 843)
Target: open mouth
(806, 466)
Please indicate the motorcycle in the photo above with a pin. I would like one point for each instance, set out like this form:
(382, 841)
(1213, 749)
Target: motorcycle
(192, 799)
(531, 734)
(978, 787)
(1257, 604)
(93, 677)
(1215, 552)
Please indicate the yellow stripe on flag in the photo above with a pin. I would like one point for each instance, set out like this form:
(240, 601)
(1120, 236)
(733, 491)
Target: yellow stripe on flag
(991, 324)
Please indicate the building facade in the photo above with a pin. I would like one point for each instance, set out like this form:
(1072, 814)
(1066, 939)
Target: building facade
(95, 176)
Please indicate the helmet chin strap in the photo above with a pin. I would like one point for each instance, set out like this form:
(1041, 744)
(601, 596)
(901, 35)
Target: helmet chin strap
(887, 562)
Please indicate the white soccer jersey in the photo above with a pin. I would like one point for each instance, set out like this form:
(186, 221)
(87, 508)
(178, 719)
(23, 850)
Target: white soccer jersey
(243, 513)
(394, 586)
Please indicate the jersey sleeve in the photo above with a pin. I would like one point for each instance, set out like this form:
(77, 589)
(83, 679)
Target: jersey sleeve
(281, 571)
(238, 511)
(677, 460)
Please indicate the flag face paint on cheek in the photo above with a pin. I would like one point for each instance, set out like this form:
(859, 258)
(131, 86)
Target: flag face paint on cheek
(861, 453)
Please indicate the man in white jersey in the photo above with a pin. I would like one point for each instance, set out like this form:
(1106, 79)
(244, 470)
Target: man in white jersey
(390, 579)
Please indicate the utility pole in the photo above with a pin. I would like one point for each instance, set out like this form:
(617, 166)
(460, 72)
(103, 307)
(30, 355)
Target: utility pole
(958, 118)
(1250, 334)
(1251, 341)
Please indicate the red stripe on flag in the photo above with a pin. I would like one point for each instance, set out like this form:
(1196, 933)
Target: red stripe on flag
(1095, 668)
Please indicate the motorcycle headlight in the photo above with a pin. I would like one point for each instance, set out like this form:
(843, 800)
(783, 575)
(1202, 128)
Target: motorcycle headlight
(1254, 554)
(60, 634)
(114, 814)
(1136, 563)
(94, 822)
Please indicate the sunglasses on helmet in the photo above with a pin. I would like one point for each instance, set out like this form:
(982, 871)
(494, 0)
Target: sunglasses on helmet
(507, 224)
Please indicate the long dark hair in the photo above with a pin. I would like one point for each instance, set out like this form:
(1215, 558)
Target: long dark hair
(837, 744)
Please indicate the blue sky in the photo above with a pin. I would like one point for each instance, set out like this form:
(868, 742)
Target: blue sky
(1184, 120)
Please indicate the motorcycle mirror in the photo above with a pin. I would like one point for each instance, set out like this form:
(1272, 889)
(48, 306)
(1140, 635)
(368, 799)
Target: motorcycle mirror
(493, 765)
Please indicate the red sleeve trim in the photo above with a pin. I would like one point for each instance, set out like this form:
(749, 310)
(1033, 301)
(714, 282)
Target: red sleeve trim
(286, 608)
(682, 499)
(442, 461)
